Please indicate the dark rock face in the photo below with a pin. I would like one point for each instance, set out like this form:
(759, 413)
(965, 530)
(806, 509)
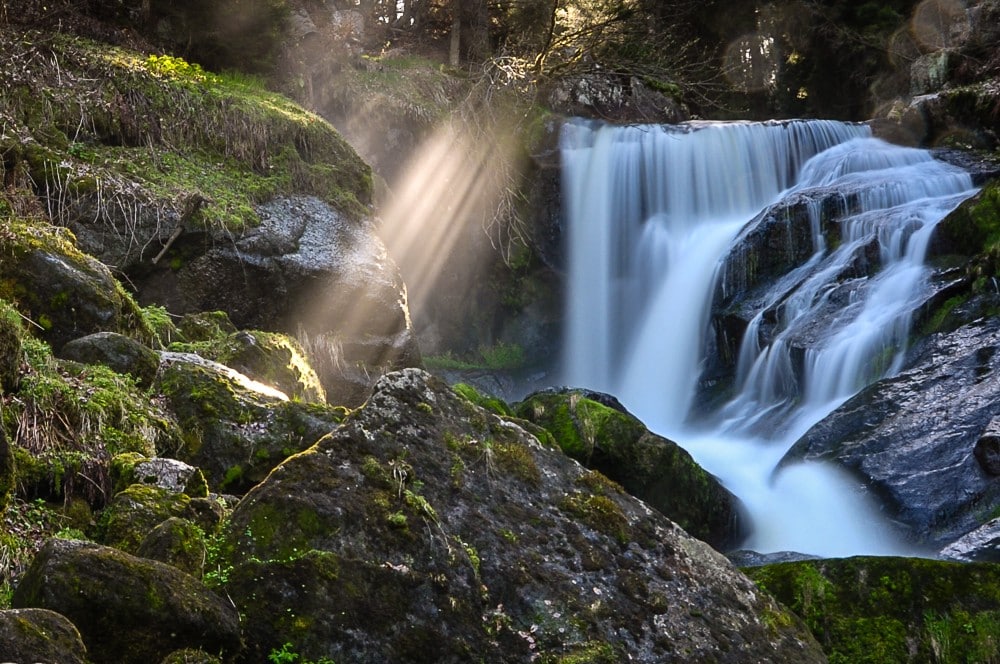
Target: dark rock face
(597, 431)
(426, 529)
(117, 352)
(128, 609)
(987, 449)
(912, 438)
(40, 635)
(981, 545)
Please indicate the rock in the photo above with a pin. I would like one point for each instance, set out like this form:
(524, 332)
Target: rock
(117, 352)
(66, 293)
(40, 635)
(987, 449)
(598, 432)
(170, 474)
(911, 438)
(607, 96)
(891, 609)
(176, 542)
(980, 545)
(931, 71)
(128, 609)
(310, 271)
(133, 513)
(236, 430)
(427, 529)
(190, 656)
(272, 358)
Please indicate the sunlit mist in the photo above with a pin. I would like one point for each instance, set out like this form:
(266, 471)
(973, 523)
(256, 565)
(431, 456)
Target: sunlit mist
(434, 222)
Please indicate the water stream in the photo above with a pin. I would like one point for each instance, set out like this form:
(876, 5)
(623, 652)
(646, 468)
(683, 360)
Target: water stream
(653, 212)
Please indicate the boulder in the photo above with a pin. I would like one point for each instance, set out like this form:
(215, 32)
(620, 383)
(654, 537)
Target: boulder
(236, 430)
(117, 352)
(882, 610)
(911, 438)
(176, 542)
(129, 610)
(190, 656)
(134, 512)
(40, 635)
(426, 529)
(67, 293)
(987, 449)
(597, 431)
(980, 545)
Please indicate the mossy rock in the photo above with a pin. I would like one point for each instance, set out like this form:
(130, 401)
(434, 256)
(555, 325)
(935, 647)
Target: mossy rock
(233, 432)
(177, 542)
(190, 656)
(271, 358)
(869, 610)
(66, 293)
(490, 403)
(973, 230)
(117, 352)
(133, 513)
(40, 635)
(596, 430)
(206, 326)
(129, 610)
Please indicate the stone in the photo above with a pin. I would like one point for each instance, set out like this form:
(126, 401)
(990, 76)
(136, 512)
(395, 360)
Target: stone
(129, 610)
(131, 514)
(176, 542)
(117, 352)
(987, 449)
(40, 635)
(980, 545)
(170, 474)
(428, 529)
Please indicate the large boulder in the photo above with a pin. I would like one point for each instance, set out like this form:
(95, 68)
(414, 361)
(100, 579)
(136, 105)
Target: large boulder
(426, 529)
(598, 432)
(911, 438)
(40, 635)
(128, 609)
(117, 352)
(892, 610)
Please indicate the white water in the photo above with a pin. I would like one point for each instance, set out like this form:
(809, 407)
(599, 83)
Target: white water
(653, 211)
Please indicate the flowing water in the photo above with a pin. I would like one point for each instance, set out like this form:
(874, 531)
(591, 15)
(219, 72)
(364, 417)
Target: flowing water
(653, 212)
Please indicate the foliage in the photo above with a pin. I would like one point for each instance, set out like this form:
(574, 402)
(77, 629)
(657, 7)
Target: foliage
(498, 357)
(26, 526)
(287, 655)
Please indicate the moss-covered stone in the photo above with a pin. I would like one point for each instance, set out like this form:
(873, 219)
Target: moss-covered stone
(888, 610)
(973, 230)
(117, 352)
(135, 512)
(177, 542)
(490, 403)
(608, 439)
(11, 333)
(129, 610)
(190, 656)
(40, 635)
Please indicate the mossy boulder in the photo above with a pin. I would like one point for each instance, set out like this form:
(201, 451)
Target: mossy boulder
(177, 542)
(272, 358)
(65, 292)
(236, 430)
(427, 529)
(128, 609)
(190, 656)
(133, 513)
(598, 432)
(117, 352)
(40, 635)
(972, 231)
(888, 610)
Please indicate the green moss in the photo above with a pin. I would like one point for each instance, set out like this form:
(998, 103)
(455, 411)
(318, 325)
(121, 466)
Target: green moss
(973, 229)
(490, 403)
(600, 513)
(892, 609)
(591, 653)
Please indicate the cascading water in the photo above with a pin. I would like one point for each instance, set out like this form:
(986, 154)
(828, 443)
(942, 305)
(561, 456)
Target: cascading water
(653, 211)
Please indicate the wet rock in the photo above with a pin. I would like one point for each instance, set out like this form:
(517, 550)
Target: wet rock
(129, 610)
(40, 635)
(427, 529)
(911, 438)
(987, 449)
(117, 352)
(596, 430)
(980, 545)
(891, 609)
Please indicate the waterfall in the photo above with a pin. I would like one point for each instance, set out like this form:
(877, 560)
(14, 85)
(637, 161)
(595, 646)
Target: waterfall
(652, 213)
